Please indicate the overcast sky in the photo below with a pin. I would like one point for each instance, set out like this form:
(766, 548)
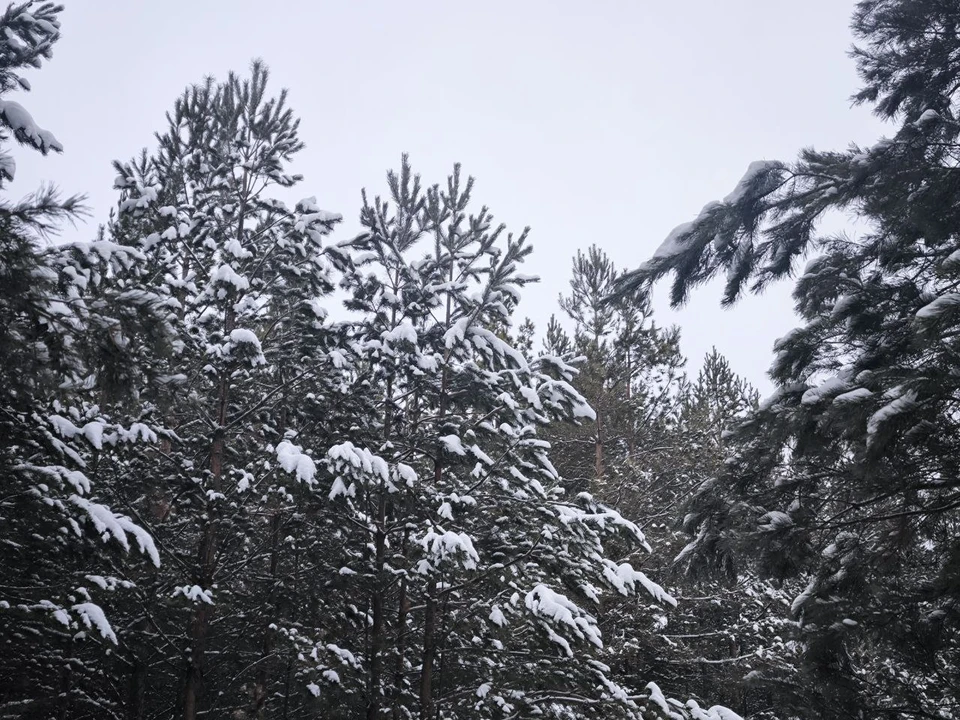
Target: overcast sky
(591, 121)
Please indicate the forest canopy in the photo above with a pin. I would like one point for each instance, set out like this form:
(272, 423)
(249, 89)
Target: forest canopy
(253, 467)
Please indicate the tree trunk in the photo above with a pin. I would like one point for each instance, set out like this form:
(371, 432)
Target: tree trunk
(374, 690)
(402, 611)
(598, 449)
(429, 654)
(136, 691)
(137, 684)
(430, 611)
(374, 694)
(207, 550)
(259, 699)
(207, 555)
(63, 708)
(200, 622)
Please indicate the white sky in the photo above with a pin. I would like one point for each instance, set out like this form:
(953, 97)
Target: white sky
(593, 121)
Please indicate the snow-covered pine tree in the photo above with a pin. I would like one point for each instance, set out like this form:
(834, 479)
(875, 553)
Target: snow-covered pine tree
(250, 379)
(727, 631)
(661, 432)
(714, 404)
(469, 581)
(62, 353)
(631, 373)
(594, 324)
(846, 477)
(355, 517)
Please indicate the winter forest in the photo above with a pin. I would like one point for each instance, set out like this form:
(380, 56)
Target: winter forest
(254, 468)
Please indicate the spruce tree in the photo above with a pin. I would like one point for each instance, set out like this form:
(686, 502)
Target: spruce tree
(845, 478)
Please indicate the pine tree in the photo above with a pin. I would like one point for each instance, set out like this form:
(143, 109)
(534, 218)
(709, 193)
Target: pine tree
(845, 478)
(714, 405)
(250, 378)
(661, 432)
(346, 518)
(629, 369)
(469, 579)
(726, 631)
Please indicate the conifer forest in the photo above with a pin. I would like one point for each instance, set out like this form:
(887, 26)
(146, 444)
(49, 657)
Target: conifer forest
(256, 468)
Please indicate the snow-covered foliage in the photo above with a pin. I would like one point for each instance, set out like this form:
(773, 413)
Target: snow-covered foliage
(457, 528)
(66, 426)
(28, 31)
(221, 502)
(246, 384)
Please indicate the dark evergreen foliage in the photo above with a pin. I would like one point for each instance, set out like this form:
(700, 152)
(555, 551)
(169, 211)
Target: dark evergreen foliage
(846, 477)
(252, 471)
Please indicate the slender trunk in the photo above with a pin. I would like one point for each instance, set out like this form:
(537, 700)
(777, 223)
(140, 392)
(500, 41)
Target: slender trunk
(207, 555)
(290, 653)
(207, 550)
(200, 622)
(374, 691)
(598, 449)
(286, 686)
(63, 709)
(137, 684)
(430, 611)
(136, 691)
(441, 662)
(403, 606)
(598, 436)
(402, 612)
(261, 678)
(429, 654)
(206, 562)
(374, 694)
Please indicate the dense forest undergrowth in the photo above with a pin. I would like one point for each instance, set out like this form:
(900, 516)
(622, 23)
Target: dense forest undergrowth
(252, 468)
